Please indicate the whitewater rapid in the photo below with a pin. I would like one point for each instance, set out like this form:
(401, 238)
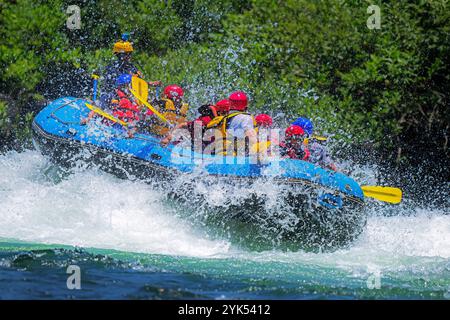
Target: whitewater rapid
(89, 208)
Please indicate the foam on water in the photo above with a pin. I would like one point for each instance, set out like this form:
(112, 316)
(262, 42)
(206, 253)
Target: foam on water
(92, 209)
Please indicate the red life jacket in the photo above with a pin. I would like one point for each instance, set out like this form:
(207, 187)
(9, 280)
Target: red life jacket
(203, 122)
(294, 153)
(125, 110)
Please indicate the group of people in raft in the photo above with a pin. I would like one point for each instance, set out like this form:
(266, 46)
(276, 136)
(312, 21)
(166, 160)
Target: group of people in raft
(229, 117)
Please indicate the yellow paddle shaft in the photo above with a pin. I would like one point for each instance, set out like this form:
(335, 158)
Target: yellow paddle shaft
(105, 115)
(145, 103)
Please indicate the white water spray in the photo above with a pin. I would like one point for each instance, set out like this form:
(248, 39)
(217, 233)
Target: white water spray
(90, 208)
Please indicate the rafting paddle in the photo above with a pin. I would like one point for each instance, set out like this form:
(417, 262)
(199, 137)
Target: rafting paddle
(145, 103)
(140, 86)
(95, 83)
(386, 194)
(105, 115)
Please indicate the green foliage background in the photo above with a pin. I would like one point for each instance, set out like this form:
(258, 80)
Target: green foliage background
(389, 87)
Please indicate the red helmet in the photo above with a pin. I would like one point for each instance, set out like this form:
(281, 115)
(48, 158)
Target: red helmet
(173, 91)
(263, 120)
(294, 131)
(223, 106)
(238, 101)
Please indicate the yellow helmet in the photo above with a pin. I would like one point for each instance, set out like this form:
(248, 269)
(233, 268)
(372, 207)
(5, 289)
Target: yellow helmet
(122, 47)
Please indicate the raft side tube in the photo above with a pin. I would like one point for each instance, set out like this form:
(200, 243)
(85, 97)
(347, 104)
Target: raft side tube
(61, 119)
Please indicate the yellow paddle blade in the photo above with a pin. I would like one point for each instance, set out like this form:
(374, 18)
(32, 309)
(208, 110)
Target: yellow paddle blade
(140, 86)
(105, 115)
(386, 194)
(145, 103)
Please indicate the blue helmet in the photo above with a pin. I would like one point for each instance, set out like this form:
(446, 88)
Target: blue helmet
(125, 36)
(305, 124)
(123, 79)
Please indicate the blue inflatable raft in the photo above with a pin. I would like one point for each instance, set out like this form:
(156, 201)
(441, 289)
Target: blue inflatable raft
(329, 205)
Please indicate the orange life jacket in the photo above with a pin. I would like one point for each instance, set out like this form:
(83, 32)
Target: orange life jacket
(174, 113)
(221, 123)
